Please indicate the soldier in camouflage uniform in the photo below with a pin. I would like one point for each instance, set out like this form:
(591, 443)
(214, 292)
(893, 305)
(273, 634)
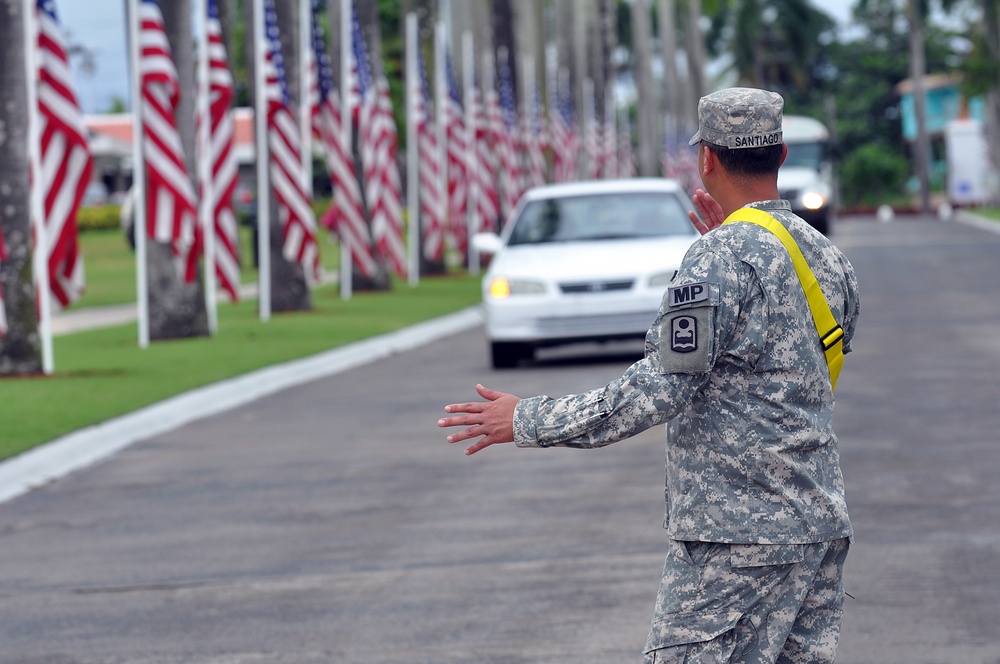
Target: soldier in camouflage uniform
(734, 368)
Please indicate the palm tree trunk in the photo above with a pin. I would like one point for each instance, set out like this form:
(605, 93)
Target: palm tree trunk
(20, 353)
(646, 111)
(177, 308)
(289, 290)
(918, 67)
(696, 52)
(671, 82)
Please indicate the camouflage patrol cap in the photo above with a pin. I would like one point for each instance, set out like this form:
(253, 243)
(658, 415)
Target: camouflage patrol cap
(740, 118)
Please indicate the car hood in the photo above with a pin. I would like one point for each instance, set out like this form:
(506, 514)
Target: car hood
(567, 261)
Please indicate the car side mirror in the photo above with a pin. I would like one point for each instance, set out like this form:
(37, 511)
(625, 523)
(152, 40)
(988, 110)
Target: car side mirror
(487, 243)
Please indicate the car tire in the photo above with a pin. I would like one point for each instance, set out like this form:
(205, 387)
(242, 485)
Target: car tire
(507, 354)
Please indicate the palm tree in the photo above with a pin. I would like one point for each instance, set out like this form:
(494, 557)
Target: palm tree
(648, 144)
(289, 289)
(177, 308)
(20, 352)
(774, 44)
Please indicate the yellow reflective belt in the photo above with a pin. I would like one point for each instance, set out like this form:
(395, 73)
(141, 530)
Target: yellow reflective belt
(833, 338)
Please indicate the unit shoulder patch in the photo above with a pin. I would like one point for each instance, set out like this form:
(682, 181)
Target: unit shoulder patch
(687, 340)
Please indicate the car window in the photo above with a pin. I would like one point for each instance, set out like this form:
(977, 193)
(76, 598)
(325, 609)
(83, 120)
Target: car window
(601, 217)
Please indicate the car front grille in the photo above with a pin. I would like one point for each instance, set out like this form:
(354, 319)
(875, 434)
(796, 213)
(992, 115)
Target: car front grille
(597, 325)
(596, 286)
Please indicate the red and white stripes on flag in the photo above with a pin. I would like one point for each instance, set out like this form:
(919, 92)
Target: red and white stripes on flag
(534, 142)
(66, 163)
(482, 167)
(610, 137)
(378, 141)
(626, 153)
(432, 200)
(503, 120)
(346, 216)
(171, 215)
(458, 155)
(289, 180)
(593, 146)
(224, 170)
(3, 310)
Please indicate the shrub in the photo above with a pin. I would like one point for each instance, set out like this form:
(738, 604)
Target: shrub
(873, 174)
(101, 217)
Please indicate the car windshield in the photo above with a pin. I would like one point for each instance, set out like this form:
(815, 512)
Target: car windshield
(601, 217)
(805, 155)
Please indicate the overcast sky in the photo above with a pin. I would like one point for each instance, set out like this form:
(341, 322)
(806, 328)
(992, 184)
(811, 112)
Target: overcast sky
(99, 25)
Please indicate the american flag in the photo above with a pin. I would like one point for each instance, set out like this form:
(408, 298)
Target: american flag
(506, 128)
(346, 216)
(626, 153)
(534, 143)
(65, 158)
(593, 146)
(458, 156)
(289, 179)
(483, 169)
(171, 216)
(378, 140)
(680, 162)
(432, 203)
(224, 169)
(3, 311)
(610, 136)
(564, 141)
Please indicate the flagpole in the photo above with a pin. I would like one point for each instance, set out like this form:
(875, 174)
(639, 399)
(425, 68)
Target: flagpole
(440, 104)
(346, 255)
(471, 158)
(40, 256)
(263, 177)
(206, 204)
(305, 79)
(138, 177)
(412, 148)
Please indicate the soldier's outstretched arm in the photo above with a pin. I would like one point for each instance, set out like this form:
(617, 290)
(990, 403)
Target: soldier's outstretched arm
(492, 419)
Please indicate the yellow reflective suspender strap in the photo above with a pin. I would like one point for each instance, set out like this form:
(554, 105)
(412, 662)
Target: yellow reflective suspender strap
(831, 334)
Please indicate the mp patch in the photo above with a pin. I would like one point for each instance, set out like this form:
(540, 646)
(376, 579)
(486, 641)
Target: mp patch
(688, 294)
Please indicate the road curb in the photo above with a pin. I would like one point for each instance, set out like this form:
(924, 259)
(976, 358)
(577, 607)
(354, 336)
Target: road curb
(91, 445)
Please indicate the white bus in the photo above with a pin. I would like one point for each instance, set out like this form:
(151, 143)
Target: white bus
(806, 177)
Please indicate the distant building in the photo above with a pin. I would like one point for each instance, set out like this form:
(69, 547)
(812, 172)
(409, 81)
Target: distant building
(960, 161)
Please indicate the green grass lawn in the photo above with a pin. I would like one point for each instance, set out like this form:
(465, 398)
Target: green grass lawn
(989, 213)
(109, 263)
(102, 373)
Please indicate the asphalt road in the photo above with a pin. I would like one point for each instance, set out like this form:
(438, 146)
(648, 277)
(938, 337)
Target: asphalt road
(331, 522)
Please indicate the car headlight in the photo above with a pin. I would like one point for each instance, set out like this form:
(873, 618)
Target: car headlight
(502, 287)
(812, 200)
(662, 279)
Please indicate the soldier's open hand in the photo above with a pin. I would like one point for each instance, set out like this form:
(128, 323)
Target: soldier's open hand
(492, 419)
(711, 212)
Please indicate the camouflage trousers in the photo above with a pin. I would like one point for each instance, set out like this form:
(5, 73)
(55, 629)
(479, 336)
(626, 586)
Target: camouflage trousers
(749, 604)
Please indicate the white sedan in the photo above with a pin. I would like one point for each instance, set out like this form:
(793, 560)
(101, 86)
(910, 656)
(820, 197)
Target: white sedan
(587, 261)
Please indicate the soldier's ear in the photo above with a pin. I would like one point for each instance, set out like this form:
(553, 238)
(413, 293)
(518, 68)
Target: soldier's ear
(709, 162)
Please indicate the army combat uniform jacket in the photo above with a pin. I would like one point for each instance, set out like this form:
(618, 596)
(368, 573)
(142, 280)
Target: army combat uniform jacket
(734, 367)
